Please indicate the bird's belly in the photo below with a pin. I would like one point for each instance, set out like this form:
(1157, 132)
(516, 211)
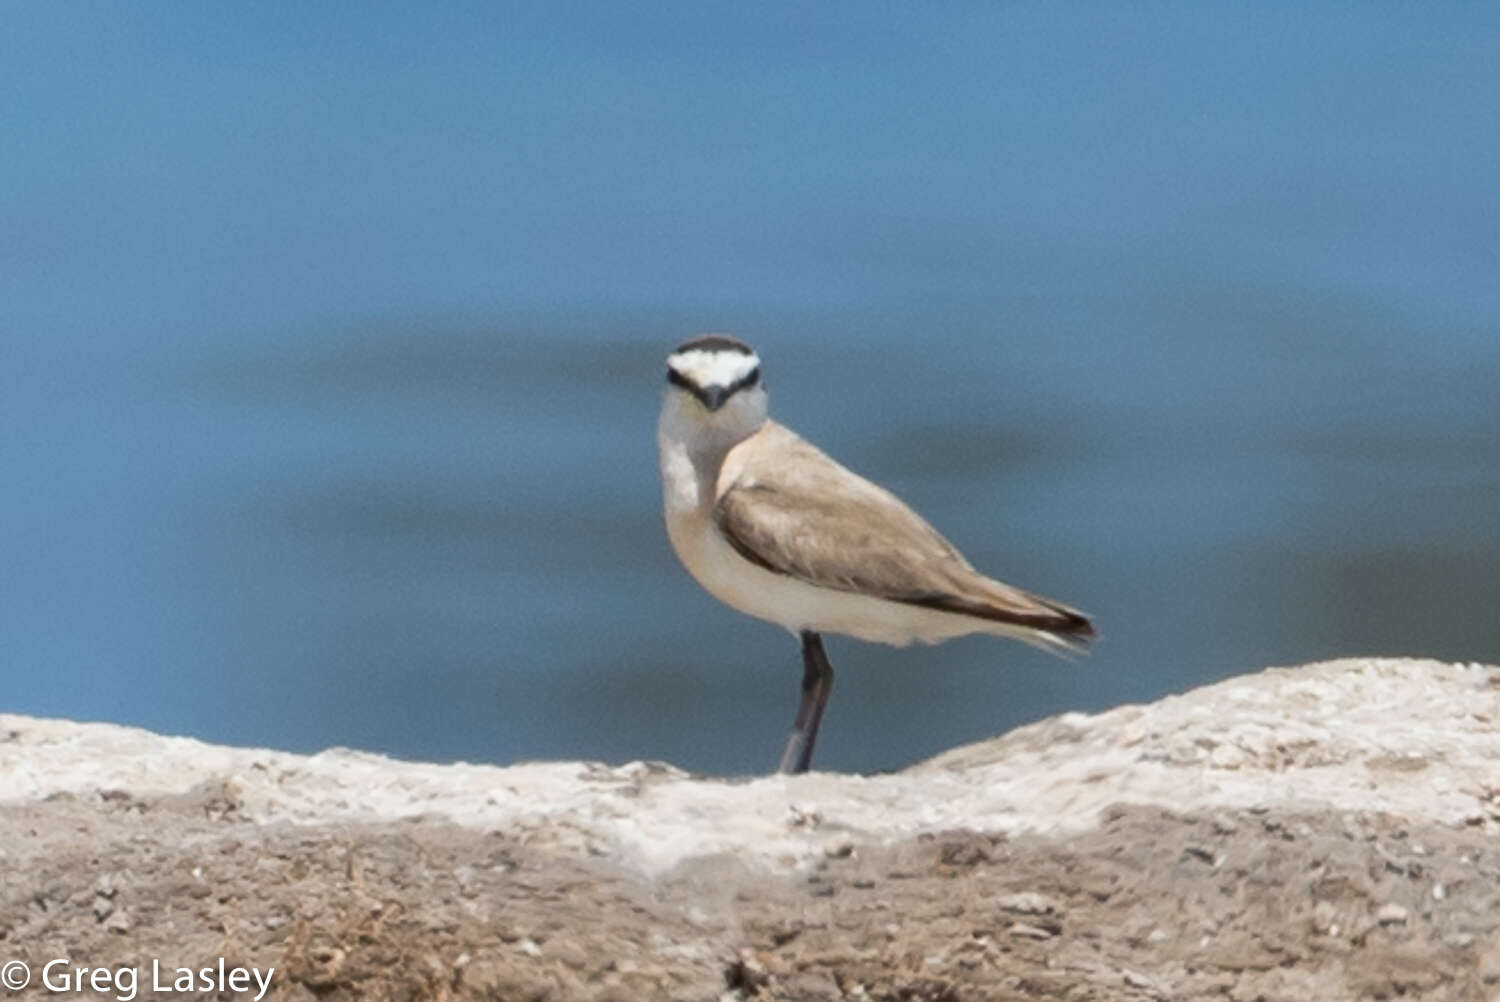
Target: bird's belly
(797, 605)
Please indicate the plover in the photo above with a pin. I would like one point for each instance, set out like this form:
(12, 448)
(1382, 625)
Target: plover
(773, 527)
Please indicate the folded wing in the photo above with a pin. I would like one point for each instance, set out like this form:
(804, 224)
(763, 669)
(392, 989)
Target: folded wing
(806, 516)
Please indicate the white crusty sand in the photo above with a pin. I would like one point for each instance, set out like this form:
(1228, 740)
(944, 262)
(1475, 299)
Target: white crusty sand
(1412, 737)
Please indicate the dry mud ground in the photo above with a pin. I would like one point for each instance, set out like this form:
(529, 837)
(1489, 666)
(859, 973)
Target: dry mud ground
(1163, 863)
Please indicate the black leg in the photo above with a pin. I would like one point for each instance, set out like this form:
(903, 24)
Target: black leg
(817, 683)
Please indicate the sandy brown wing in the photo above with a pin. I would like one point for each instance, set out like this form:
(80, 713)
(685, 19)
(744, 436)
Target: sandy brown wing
(797, 512)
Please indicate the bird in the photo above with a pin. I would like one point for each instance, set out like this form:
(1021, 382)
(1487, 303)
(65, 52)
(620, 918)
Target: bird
(771, 526)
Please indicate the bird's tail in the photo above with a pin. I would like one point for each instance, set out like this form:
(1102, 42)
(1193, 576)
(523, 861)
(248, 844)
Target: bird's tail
(1043, 623)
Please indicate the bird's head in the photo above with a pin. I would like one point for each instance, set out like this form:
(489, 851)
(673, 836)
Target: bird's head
(714, 386)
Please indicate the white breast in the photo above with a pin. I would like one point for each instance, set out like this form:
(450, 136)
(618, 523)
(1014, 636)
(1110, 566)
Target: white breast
(777, 598)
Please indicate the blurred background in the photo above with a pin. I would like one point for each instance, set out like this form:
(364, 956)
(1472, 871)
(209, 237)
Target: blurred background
(331, 344)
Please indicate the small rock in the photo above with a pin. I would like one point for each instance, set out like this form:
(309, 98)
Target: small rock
(803, 817)
(1027, 903)
(1391, 914)
(1135, 980)
(746, 972)
(569, 953)
(1027, 931)
(1325, 918)
(839, 848)
(1200, 853)
(1439, 892)
(1489, 965)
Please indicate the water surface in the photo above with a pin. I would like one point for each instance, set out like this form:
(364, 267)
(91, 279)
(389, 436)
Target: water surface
(332, 349)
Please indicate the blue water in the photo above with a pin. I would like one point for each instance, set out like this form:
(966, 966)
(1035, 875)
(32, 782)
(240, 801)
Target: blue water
(331, 343)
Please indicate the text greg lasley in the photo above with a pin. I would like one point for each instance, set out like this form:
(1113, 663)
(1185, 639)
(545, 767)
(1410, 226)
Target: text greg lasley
(61, 976)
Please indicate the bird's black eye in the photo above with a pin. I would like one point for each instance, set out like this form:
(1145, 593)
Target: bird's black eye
(753, 379)
(678, 379)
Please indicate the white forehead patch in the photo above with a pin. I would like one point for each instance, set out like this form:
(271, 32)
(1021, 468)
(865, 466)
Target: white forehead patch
(705, 368)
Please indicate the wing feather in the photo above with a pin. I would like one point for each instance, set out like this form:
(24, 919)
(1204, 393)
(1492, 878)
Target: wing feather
(804, 515)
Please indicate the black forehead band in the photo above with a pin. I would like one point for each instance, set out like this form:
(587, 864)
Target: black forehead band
(716, 342)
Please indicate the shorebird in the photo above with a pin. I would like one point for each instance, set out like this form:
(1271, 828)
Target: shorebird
(771, 526)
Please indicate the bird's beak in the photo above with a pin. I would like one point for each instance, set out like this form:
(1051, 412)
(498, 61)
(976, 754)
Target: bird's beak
(713, 397)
